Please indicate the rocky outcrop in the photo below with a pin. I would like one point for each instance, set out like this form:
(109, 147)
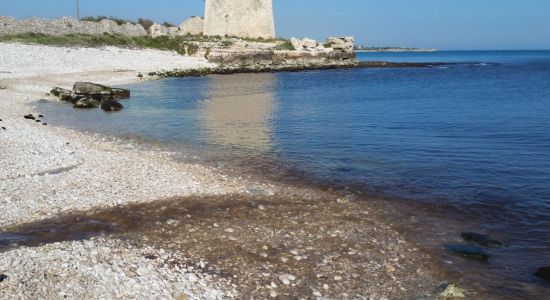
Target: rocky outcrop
(193, 25)
(257, 56)
(157, 30)
(341, 44)
(92, 95)
(64, 26)
(101, 91)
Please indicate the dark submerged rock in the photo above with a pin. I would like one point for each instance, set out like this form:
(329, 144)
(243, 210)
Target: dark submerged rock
(29, 117)
(468, 251)
(111, 105)
(543, 273)
(119, 93)
(86, 103)
(483, 240)
(3, 277)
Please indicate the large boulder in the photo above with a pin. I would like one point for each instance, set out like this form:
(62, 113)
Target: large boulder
(309, 43)
(90, 88)
(297, 43)
(87, 103)
(100, 92)
(341, 44)
(111, 105)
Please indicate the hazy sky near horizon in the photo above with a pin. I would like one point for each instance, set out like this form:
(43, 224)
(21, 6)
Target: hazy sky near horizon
(442, 24)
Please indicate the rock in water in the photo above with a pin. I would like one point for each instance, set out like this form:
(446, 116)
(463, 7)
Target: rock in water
(482, 239)
(95, 91)
(111, 105)
(544, 273)
(3, 277)
(468, 251)
(119, 93)
(86, 103)
(90, 88)
(452, 291)
(100, 92)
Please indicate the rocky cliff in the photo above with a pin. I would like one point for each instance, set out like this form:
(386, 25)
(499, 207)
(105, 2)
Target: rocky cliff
(64, 26)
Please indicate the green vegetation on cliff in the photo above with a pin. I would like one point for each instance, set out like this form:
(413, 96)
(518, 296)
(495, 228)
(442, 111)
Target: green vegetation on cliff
(179, 43)
(88, 40)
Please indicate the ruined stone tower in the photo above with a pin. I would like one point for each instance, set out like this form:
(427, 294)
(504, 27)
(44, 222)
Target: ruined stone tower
(242, 18)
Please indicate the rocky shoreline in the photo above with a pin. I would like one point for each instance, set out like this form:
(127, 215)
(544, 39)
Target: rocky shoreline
(228, 70)
(88, 215)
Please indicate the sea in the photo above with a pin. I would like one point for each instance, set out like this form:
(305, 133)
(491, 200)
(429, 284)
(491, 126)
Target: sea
(446, 149)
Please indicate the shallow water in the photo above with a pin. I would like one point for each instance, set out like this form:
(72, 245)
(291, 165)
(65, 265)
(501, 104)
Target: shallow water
(466, 146)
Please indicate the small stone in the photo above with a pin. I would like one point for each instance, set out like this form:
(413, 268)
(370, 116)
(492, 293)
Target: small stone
(317, 294)
(337, 278)
(325, 286)
(452, 291)
(264, 255)
(229, 230)
(273, 294)
(284, 259)
(284, 279)
(3, 277)
(192, 278)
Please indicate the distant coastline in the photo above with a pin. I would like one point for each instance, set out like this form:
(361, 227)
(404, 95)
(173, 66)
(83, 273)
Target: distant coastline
(391, 49)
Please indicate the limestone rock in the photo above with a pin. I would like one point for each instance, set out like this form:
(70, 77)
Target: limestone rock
(157, 30)
(66, 26)
(341, 44)
(193, 25)
(309, 43)
(452, 291)
(297, 43)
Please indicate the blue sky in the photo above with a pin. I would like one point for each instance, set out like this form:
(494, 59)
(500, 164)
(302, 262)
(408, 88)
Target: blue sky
(442, 24)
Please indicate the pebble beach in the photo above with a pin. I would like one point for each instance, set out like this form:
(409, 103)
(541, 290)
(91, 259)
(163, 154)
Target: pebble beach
(47, 172)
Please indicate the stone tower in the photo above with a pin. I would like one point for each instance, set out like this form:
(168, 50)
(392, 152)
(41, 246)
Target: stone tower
(242, 18)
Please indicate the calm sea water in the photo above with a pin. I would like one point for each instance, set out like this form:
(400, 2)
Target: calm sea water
(472, 138)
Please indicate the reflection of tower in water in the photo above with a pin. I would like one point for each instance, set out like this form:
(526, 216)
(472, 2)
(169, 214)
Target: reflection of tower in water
(238, 111)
